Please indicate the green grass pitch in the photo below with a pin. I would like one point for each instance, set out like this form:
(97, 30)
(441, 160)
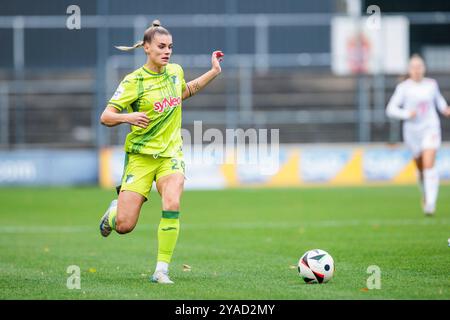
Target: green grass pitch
(240, 244)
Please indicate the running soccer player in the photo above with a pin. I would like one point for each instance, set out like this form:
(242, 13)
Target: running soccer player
(419, 97)
(153, 96)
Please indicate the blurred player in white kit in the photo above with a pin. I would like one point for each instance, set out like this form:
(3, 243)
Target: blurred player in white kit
(415, 101)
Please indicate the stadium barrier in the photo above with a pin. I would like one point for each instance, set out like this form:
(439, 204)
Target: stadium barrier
(48, 167)
(298, 165)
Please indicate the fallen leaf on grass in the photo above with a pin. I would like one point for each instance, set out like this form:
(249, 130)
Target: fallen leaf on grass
(186, 267)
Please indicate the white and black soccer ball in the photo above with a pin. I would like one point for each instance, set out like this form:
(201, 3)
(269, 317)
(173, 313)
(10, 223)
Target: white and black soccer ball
(316, 266)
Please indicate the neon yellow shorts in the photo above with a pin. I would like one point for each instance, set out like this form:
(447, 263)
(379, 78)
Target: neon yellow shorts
(140, 170)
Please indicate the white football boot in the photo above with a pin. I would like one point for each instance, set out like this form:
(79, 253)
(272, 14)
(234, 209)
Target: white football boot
(105, 227)
(428, 210)
(161, 277)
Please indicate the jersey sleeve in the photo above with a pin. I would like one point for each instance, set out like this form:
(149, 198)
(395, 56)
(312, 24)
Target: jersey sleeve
(126, 93)
(183, 85)
(183, 81)
(439, 99)
(393, 109)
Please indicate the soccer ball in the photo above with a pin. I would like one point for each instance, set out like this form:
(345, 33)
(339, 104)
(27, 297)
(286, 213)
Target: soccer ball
(316, 266)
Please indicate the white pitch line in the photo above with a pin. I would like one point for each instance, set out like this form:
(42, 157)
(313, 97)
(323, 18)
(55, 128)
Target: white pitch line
(236, 225)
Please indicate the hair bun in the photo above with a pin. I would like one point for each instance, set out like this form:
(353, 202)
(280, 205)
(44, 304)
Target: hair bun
(156, 23)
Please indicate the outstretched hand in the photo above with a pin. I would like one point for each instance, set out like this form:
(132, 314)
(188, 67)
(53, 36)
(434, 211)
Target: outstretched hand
(216, 58)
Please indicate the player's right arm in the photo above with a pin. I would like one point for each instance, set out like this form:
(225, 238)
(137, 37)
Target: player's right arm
(111, 117)
(393, 109)
(124, 97)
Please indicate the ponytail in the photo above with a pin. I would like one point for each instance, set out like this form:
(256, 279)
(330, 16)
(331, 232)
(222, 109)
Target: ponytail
(148, 36)
(138, 44)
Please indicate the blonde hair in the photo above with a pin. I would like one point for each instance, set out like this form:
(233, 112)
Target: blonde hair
(148, 36)
(416, 56)
(413, 56)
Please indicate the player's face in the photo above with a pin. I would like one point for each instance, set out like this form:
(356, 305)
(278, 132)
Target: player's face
(160, 49)
(416, 69)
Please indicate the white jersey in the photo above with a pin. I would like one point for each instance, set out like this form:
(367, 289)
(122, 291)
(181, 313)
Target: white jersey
(422, 97)
(423, 131)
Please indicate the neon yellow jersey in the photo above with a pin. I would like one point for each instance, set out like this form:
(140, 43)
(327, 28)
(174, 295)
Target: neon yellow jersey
(159, 95)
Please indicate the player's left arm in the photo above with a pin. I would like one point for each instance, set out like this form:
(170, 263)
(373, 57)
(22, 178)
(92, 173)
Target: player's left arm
(441, 103)
(194, 86)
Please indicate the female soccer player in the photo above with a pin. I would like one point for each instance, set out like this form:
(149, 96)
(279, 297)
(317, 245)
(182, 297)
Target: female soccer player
(419, 97)
(152, 95)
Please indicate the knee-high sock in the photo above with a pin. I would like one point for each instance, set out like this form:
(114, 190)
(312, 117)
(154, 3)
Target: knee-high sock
(168, 230)
(431, 183)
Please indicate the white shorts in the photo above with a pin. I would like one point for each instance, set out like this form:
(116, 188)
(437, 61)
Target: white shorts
(419, 140)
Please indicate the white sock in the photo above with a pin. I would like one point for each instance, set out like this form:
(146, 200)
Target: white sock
(431, 183)
(162, 266)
